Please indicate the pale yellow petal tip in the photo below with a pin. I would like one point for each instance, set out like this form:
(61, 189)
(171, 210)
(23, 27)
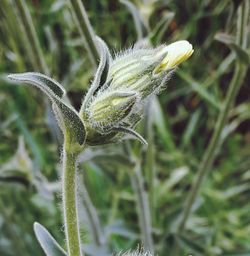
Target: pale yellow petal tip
(176, 53)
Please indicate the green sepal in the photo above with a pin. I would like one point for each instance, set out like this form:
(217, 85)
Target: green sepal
(101, 74)
(130, 132)
(110, 108)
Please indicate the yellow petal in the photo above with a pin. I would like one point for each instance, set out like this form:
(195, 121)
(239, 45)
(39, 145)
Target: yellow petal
(176, 53)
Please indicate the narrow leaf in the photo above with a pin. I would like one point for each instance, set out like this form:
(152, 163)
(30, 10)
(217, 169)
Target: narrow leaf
(47, 242)
(68, 118)
(41, 81)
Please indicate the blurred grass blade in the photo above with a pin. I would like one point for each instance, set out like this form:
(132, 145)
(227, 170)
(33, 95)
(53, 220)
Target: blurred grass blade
(31, 141)
(197, 87)
(228, 40)
(143, 207)
(157, 34)
(85, 29)
(215, 142)
(31, 35)
(237, 254)
(161, 126)
(18, 168)
(92, 218)
(47, 242)
(191, 128)
(138, 21)
(189, 245)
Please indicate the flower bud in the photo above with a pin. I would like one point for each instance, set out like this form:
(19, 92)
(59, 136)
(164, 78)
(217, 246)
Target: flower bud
(133, 71)
(146, 70)
(109, 108)
(176, 53)
(113, 107)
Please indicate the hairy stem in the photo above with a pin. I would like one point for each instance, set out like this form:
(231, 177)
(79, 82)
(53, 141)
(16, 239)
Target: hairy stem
(69, 191)
(85, 30)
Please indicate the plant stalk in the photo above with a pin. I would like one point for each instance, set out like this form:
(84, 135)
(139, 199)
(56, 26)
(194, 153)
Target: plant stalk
(69, 192)
(85, 30)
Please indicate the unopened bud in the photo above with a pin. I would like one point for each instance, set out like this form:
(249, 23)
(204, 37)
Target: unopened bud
(117, 105)
(109, 108)
(133, 71)
(145, 70)
(176, 53)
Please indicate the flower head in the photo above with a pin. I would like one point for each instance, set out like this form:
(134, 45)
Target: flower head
(116, 105)
(114, 102)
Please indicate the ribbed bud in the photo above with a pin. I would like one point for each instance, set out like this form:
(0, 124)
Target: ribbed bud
(133, 70)
(113, 107)
(109, 108)
(145, 70)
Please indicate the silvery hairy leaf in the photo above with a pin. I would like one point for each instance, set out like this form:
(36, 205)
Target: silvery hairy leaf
(67, 117)
(47, 242)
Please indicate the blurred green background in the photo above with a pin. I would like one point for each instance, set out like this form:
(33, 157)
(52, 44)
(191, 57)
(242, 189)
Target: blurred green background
(178, 131)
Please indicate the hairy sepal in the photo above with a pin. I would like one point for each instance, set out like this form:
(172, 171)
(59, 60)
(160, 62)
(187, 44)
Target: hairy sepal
(110, 108)
(101, 74)
(131, 132)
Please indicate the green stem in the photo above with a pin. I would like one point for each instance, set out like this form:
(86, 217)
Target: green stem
(32, 37)
(70, 203)
(86, 30)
